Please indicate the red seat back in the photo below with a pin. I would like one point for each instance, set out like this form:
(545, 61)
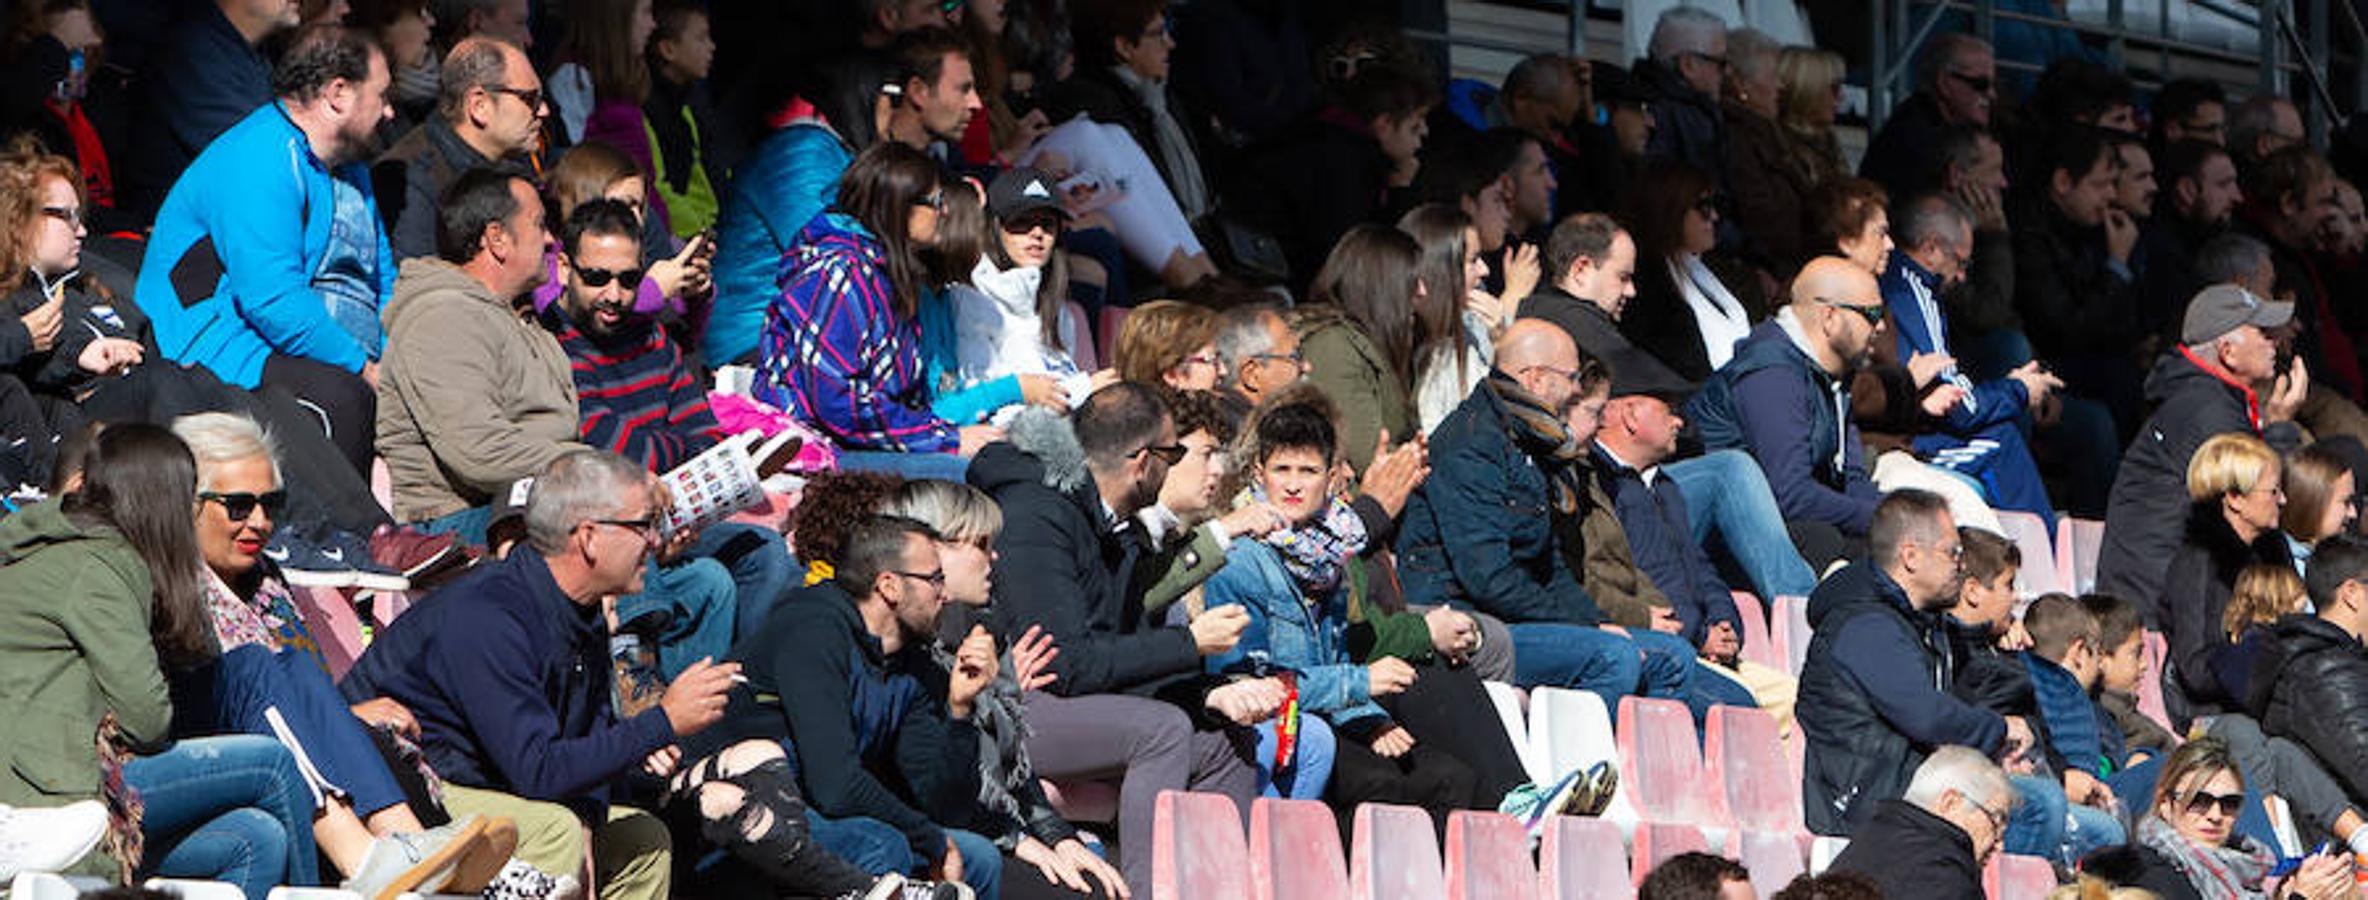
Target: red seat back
(1198, 848)
(1394, 855)
(1583, 859)
(1742, 751)
(1660, 759)
(1294, 850)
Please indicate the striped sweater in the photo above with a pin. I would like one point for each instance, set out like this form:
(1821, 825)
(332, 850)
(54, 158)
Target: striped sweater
(633, 393)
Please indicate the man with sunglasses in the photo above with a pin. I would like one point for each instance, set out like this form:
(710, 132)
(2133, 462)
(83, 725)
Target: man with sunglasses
(489, 112)
(1956, 84)
(1686, 69)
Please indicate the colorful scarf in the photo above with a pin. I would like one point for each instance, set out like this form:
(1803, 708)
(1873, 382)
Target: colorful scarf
(2232, 872)
(1315, 553)
(1542, 434)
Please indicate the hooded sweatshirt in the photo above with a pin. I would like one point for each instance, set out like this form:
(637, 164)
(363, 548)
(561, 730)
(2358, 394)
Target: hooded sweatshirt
(474, 393)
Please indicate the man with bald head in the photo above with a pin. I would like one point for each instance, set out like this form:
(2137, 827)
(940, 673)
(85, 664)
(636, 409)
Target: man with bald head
(489, 112)
(1785, 396)
(1478, 533)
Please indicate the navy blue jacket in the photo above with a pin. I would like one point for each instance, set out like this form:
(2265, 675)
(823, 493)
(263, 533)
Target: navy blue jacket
(867, 738)
(1477, 533)
(1773, 401)
(1875, 698)
(2072, 729)
(205, 80)
(509, 680)
(1661, 538)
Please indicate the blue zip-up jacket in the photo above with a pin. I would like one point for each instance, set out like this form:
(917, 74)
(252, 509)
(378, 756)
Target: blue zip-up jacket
(772, 195)
(228, 275)
(836, 353)
(1661, 538)
(509, 680)
(1287, 631)
(941, 356)
(867, 739)
(1921, 322)
(1773, 401)
(1477, 533)
(2069, 716)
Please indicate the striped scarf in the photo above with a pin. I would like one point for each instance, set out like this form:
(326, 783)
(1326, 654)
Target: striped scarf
(1541, 434)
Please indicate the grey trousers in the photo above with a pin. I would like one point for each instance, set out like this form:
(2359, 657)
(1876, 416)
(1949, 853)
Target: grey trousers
(2275, 765)
(1151, 746)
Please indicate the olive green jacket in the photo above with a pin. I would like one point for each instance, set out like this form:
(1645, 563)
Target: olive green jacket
(1353, 372)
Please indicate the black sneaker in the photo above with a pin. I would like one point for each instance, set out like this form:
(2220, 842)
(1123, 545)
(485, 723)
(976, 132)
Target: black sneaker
(319, 556)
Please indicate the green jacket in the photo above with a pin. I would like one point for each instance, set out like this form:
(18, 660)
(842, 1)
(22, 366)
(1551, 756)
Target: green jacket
(74, 645)
(1371, 398)
(1169, 572)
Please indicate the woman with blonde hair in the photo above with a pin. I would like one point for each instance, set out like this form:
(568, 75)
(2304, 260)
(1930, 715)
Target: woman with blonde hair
(2236, 484)
(1808, 98)
(2187, 843)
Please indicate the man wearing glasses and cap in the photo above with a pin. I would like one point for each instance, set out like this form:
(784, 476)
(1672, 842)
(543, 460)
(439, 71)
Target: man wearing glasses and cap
(2223, 378)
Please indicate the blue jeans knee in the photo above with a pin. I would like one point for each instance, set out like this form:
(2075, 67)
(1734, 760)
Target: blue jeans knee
(1311, 760)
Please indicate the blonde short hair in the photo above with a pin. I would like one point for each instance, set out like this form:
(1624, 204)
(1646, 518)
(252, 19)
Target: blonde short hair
(2228, 463)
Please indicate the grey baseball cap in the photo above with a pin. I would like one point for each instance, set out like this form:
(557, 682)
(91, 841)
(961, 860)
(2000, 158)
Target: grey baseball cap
(2222, 308)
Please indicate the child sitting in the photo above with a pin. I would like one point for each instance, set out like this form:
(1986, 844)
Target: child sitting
(2263, 593)
(2122, 632)
(2065, 665)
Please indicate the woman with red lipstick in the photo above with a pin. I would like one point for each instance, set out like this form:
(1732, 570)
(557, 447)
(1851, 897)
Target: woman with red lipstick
(1413, 722)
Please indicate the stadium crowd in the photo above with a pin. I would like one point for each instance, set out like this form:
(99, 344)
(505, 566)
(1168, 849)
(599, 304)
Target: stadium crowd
(1204, 397)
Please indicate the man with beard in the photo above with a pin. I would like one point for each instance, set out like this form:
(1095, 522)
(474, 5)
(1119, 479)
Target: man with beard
(1872, 703)
(2200, 186)
(1783, 395)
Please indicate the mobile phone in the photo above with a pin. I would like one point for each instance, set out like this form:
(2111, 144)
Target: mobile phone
(2292, 864)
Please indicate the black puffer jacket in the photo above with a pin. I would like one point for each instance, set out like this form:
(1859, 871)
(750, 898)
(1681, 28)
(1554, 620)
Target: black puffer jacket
(2195, 598)
(2309, 685)
(2146, 518)
(1913, 853)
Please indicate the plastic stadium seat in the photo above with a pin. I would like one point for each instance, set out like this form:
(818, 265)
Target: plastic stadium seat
(1741, 750)
(1106, 338)
(52, 886)
(1758, 646)
(2014, 877)
(1487, 858)
(382, 484)
(192, 889)
(1085, 354)
(1508, 702)
(1823, 850)
(1659, 757)
(1791, 631)
(1294, 851)
(1083, 800)
(2039, 573)
(1198, 848)
(2158, 649)
(1657, 842)
(334, 625)
(1393, 855)
(2078, 543)
(1774, 858)
(1571, 730)
(1583, 859)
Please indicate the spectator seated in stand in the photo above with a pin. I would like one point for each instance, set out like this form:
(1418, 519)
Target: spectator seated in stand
(1697, 876)
(212, 71)
(994, 332)
(2233, 484)
(1933, 839)
(1956, 84)
(489, 113)
(2310, 669)
(2121, 635)
(1686, 68)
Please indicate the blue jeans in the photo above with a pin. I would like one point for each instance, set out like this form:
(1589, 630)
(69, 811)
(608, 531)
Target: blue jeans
(940, 466)
(226, 809)
(467, 526)
(1645, 663)
(242, 684)
(695, 597)
(2048, 824)
(761, 568)
(1311, 760)
(877, 847)
(1727, 494)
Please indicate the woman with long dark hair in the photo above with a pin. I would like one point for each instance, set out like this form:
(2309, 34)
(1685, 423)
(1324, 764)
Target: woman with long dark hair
(841, 343)
(995, 333)
(599, 87)
(100, 592)
(1686, 313)
(1460, 320)
(1361, 336)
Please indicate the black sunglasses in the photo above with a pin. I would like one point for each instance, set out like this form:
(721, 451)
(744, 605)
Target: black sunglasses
(1167, 453)
(1979, 84)
(1872, 314)
(2230, 804)
(936, 579)
(242, 504)
(532, 97)
(936, 200)
(598, 278)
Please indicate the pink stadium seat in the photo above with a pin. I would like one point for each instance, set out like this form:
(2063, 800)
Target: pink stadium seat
(1113, 319)
(1660, 760)
(1083, 801)
(1583, 859)
(1741, 751)
(2078, 543)
(1774, 858)
(1198, 848)
(333, 623)
(2014, 877)
(1791, 630)
(1487, 858)
(2039, 573)
(1393, 855)
(1656, 843)
(1758, 647)
(1085, 354)
(382, 484)
(2158, 649)
(1294, 851)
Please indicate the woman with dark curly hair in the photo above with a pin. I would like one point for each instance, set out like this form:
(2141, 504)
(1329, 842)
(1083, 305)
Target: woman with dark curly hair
(830, 505)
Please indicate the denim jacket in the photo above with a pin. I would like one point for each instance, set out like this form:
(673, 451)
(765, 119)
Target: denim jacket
(1286, 632)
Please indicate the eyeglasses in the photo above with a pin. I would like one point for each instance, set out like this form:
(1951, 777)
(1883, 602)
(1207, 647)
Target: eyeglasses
(1980, 84)
(1202, 359)
(1295, 357)
(1997, 817)
(242, 504)
(532, 97)
(645, 527)
(599, 278)
(1167, 453)
(936, 200)
(936, 579)
(2199, 802)
(1719, 61)
(71, 215)
(1872, 314)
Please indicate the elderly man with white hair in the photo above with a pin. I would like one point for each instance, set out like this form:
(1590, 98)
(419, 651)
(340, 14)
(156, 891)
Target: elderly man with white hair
(1932, 842)
(1686, 65)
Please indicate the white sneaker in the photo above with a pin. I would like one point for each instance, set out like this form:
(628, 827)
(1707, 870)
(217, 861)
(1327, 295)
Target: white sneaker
(36, 839)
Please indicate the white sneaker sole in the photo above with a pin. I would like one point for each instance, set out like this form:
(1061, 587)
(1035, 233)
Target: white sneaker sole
(344, 578)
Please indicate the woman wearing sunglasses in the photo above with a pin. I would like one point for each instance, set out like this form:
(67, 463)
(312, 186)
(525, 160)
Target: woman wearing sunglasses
(2188, 845)
(1691, 307)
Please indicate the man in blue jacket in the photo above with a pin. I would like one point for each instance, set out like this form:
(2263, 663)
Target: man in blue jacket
(507, 673)
(1477, 533)
(1639, 432)
(1981, 435)
(1874, 694)
(273, 232)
